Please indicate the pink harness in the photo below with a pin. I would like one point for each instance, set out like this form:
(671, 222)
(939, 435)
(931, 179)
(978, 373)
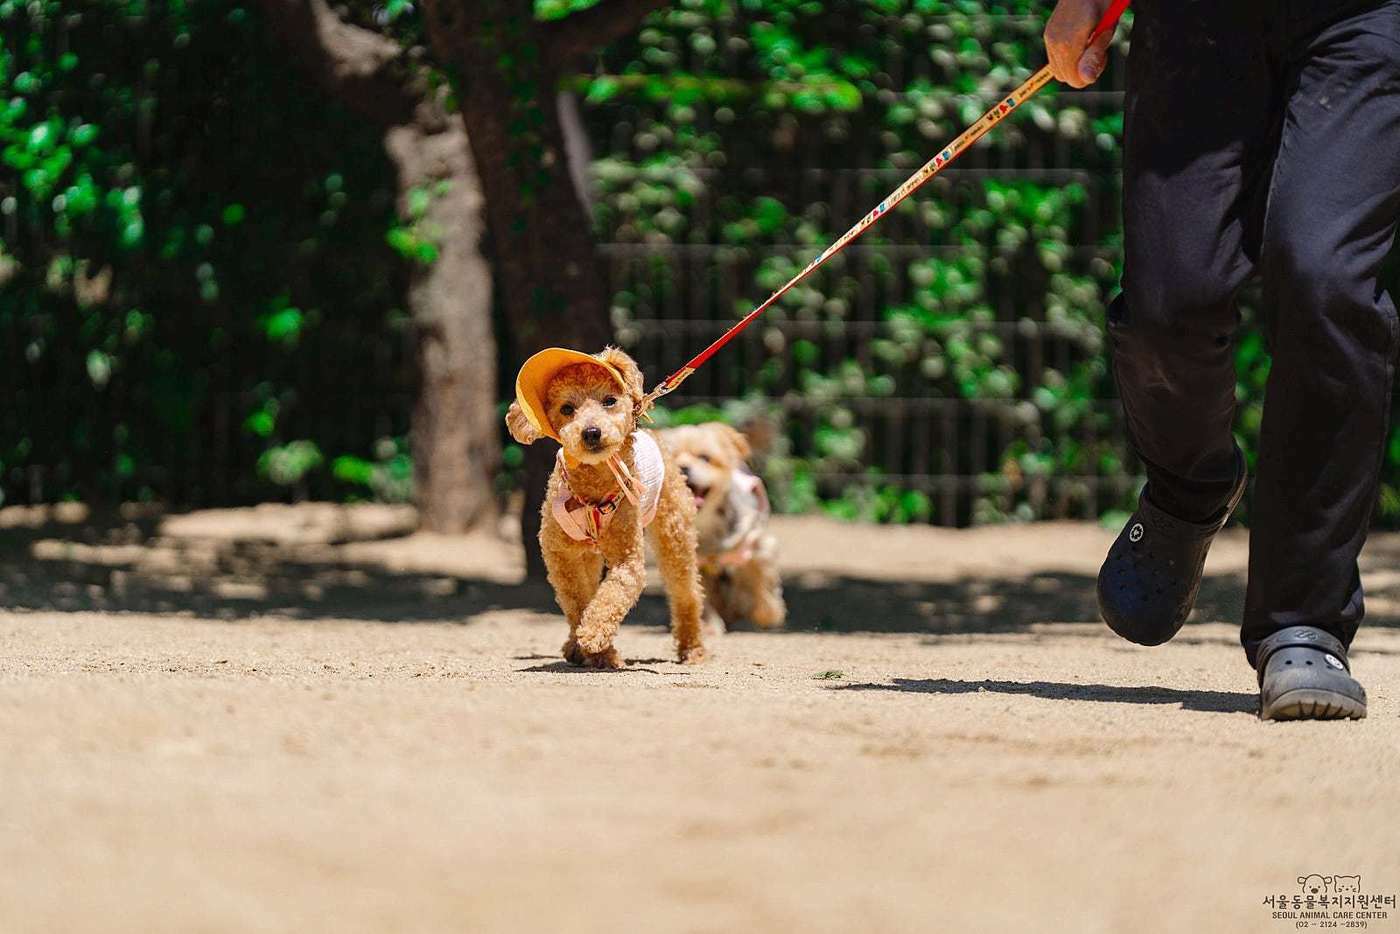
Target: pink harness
(584, 521)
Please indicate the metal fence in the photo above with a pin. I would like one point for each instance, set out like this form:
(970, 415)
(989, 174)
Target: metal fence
(948, 447)
(955, 449)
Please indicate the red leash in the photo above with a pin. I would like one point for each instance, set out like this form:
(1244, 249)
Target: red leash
(912, 184)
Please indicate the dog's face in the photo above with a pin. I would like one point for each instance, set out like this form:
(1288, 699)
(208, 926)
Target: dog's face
(707, 456)
(586, 407)
(591, 413)
(1314, 884)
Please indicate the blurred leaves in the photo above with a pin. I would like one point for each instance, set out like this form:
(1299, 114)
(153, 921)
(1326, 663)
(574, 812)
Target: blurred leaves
(728, 107)
(177, 205)
(288, 464)
(388, 477)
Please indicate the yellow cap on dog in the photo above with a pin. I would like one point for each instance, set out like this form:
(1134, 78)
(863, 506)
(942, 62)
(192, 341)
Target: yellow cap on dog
(532, 382)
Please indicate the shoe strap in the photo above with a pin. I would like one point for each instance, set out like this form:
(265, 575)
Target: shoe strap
(1163, 521)
(1299, 637)
(1154, 517)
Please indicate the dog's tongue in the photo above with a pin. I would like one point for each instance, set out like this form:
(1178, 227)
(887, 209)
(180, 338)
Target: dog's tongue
(699, 500)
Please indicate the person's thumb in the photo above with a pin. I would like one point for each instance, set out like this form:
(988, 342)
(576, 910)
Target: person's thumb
(1095, 58)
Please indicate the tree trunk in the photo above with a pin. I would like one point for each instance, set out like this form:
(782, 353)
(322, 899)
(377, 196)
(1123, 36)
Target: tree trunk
(456, 434)
(455, 431)
(553, 289)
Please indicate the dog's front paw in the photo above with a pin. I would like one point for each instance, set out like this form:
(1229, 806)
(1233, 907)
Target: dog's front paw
(593, 639)
(606, 660)
(572, 653)
(691, 654)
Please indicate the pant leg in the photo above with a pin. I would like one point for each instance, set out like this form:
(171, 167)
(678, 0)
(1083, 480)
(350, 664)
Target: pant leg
(1201, 118)
(1331, 220)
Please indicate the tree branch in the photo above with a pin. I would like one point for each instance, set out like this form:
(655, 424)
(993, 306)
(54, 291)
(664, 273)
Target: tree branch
(580, 33)
(352, 64)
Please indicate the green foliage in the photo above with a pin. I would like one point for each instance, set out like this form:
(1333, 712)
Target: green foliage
(388, 478)
(876, 502)
(194, 283)
(419, 239)
(733, 148)
(288, 464)
(557, 9)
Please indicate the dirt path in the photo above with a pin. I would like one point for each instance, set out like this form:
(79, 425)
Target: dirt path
(202, 732)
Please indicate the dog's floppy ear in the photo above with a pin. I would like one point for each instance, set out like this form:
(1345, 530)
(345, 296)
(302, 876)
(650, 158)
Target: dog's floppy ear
(519, 426)
(631, 373)
(737, 441)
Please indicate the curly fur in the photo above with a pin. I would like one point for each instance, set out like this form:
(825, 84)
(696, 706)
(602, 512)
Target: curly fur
(709, 456)
(580, 398)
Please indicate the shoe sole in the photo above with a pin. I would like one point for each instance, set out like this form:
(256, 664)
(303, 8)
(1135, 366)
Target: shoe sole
(1314, 704)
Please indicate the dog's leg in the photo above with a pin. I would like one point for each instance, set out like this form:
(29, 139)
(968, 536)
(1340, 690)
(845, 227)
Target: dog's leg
(574, 573)
(759, 579)
(769, 608)
(726, 599)
(712, 622)
(616, 596)
(674, 537)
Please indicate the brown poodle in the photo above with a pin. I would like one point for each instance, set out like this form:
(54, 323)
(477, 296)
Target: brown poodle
(610, 481)
(738, 557)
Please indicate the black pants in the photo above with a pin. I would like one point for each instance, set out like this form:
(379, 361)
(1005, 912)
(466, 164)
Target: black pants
(1263, 136)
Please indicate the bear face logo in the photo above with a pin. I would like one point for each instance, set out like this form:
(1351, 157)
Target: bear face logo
(1346, 884)
(1314, 884)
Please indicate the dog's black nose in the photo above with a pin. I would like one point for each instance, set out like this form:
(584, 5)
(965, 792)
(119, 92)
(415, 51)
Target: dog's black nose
(592, 435)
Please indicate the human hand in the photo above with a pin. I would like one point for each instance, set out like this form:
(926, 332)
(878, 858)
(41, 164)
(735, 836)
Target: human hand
(1073, 59)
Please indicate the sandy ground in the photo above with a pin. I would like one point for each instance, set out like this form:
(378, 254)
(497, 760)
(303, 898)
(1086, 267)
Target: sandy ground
(224, 723)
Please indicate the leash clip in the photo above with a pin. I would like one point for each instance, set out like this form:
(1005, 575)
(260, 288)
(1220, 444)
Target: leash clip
(664, 388)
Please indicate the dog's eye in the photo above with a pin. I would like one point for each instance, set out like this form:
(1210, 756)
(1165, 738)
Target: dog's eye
(566, 410)
(706, 458)
(609, 402)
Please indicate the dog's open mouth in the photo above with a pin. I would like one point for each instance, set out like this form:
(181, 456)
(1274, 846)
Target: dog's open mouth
(699, 494)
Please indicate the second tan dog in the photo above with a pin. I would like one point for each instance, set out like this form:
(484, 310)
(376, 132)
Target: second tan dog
(738, 556)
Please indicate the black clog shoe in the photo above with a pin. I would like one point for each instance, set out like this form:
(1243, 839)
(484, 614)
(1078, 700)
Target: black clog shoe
(1148, 582)
(1304, 675)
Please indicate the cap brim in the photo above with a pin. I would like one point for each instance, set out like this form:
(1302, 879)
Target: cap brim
(532, 382)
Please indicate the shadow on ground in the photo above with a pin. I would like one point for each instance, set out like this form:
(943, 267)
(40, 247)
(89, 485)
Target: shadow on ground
(981, 604)
(126, 565)
(1210, 701)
